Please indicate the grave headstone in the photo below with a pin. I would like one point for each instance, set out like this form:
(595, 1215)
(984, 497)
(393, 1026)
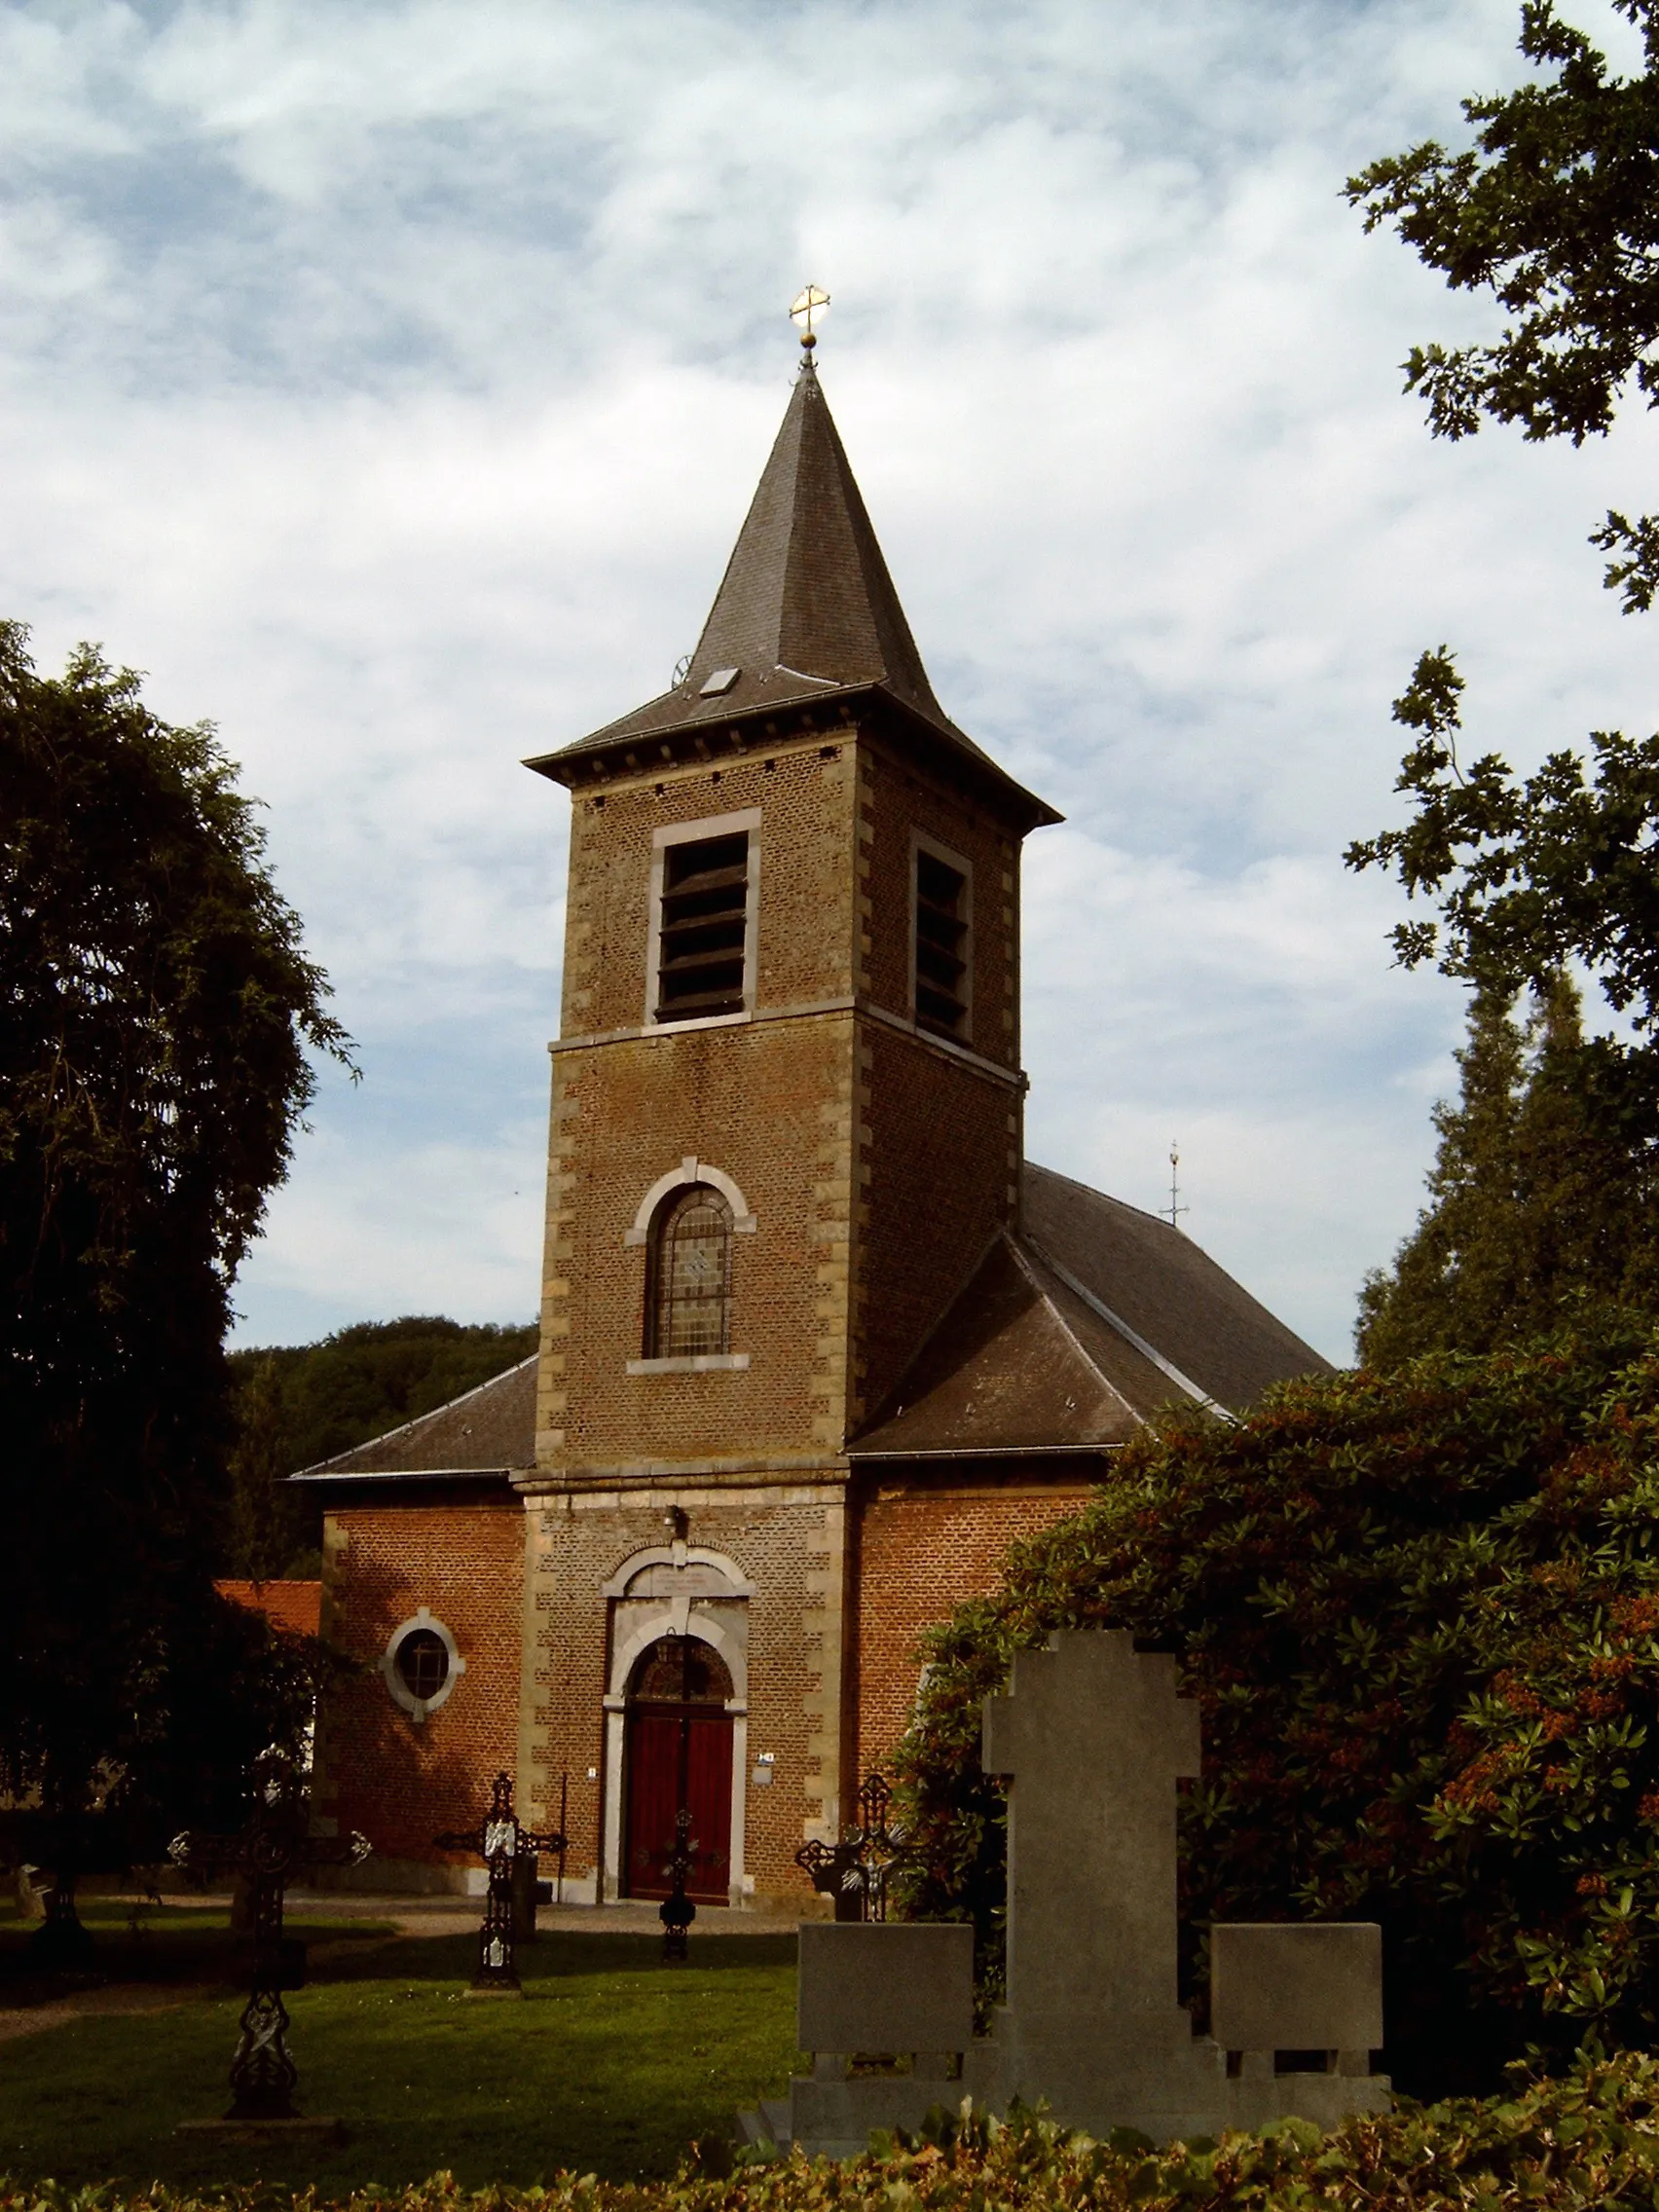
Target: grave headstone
(1092, 1741)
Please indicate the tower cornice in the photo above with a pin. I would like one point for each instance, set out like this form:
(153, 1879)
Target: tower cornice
(637, 748)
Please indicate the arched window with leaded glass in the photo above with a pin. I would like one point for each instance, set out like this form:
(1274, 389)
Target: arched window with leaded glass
(688, 1292)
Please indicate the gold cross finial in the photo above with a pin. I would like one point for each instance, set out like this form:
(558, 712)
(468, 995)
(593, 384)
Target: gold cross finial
(810, 302)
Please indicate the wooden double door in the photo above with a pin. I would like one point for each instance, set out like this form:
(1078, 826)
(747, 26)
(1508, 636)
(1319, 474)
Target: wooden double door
(677, 1753)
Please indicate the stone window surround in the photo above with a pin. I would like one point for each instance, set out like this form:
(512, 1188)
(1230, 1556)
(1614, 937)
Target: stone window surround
(676, 1616)
(689, 1171)
(921, 843)
(402, 1696)
(691, 833)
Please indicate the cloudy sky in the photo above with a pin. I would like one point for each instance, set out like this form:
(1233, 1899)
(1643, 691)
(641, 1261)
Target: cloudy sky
(390, 381)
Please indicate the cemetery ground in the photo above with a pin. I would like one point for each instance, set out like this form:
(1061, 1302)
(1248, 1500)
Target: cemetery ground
(611, 2064)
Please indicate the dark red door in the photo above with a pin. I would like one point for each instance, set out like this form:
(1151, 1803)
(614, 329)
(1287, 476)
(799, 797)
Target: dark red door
(678, 1755)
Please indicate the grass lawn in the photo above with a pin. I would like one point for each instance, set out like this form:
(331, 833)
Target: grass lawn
(609, 2065)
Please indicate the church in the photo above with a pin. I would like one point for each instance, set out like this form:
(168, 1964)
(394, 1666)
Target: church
(818, 1340)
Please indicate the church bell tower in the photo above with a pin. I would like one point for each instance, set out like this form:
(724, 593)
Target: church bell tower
(786, 1129)
(787, 1092)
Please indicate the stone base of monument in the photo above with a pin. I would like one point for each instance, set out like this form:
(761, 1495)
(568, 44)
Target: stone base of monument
(1093, 1739)
(265, 2134)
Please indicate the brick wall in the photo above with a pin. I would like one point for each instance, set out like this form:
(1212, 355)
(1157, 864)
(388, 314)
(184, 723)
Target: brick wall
(877, 1164)
(896, 797)
(769, 1104)
(399, 1781)
(782, 1542)
(804, 791)
(938, 1140)
(923, 1546)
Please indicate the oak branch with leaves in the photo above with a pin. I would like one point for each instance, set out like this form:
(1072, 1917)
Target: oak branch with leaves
(1554, 212)
(1534, 875)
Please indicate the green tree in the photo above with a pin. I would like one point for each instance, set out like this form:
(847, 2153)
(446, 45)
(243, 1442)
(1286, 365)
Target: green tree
(1554, 212)
(1532, 1204)
(296, 1404)
(1421, 1612)
(270, 1530)
(154, 1061)
(1534, 878)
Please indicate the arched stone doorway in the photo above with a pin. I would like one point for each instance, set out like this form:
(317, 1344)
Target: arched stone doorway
(678, 1750)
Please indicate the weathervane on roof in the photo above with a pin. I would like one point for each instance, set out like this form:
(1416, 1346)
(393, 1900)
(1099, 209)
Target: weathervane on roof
(807, 303)
(1176, 1209)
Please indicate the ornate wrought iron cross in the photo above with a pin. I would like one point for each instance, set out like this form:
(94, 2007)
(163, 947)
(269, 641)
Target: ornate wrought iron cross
(677, 1912)
(275, 1845)
(857, 1870)
(502, 1841)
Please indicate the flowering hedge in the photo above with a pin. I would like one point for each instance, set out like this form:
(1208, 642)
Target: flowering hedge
(1420, 1611)
(1589, 2140)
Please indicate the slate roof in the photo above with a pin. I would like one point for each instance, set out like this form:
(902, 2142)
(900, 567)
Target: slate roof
(1069, 1335)
(1076, 1330)
(806, 612)
(487, 1431)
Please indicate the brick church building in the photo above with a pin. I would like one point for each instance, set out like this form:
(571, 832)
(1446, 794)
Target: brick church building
(816, 1340)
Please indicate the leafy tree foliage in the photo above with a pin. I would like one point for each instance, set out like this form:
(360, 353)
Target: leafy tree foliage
(158, 1011)
(1533, 1204)
(1421, 1612)
(1554, 212)
(1535, 879)
(296, 1404)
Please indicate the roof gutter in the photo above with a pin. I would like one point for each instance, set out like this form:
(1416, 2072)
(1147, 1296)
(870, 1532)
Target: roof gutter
(407, 1475)
(987, 1451)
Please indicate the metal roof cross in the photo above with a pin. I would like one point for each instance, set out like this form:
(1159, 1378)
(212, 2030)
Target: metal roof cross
(808, 302)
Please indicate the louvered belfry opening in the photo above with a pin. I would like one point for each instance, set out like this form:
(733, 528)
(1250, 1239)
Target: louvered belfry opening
(941, 930)
(704, 927)
(688, 1307)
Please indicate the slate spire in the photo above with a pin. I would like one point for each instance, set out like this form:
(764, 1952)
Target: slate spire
(806, 619)
(807, 591)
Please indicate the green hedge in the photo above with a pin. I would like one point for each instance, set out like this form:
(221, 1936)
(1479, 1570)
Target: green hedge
(1590, 2138)
(1420, 1614)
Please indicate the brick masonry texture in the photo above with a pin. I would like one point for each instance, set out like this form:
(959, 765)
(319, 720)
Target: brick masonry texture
(805, 893)
(399, 1781)
(758, 1103)
(922, 1548)
(581, 1543)
(893, 800)
(936, 1185)
(877, 1164)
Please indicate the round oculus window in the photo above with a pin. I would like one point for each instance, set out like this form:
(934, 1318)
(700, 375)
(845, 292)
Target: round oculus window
(422, 1661)
(421, 1664)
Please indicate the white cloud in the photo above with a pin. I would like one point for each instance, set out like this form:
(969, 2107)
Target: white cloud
(390, 381)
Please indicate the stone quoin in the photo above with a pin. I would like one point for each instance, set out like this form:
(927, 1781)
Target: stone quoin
(818, 1342)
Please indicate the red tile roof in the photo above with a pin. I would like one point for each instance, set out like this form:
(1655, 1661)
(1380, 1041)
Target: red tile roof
(296, 1606)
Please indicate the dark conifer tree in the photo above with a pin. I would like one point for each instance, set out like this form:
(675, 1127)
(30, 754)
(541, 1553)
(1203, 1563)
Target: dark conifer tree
(1536, 1204)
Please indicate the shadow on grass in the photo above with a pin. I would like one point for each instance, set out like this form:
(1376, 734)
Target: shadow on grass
(165, 1944)
(611, 2064)
(554, 1957)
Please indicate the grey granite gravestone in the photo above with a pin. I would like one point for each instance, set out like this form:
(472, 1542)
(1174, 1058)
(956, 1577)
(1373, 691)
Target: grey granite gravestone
(895, 1989)
(1092, 1741)
(1317, 1987)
